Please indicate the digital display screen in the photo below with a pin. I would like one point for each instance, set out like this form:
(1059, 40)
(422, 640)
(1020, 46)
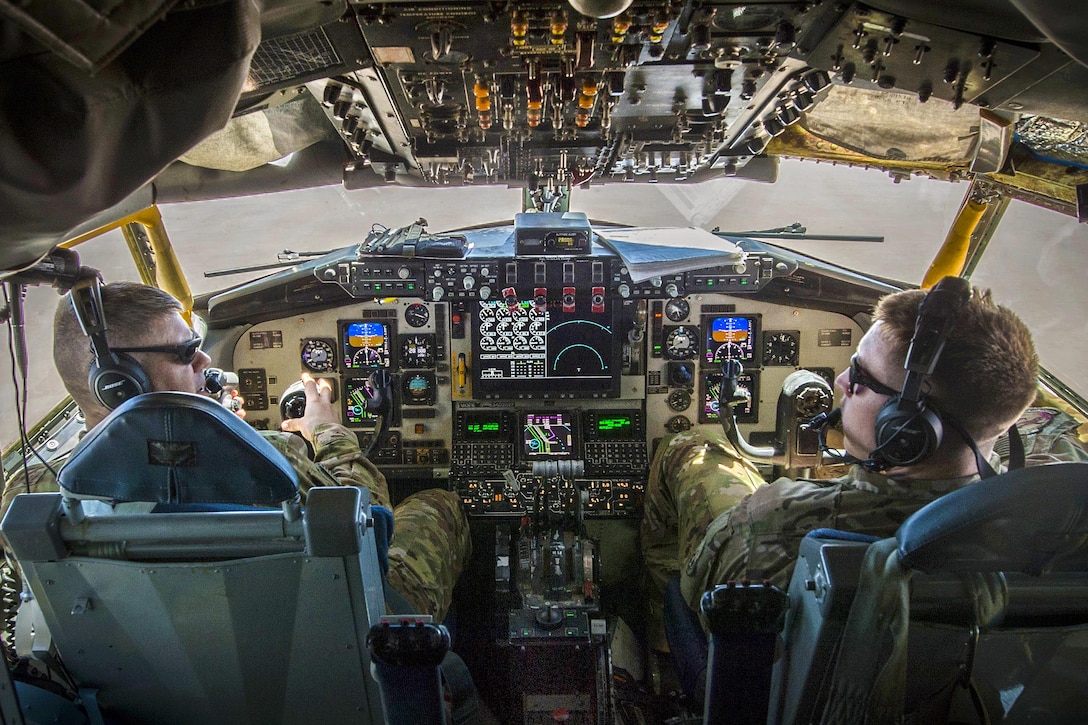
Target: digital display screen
(609, 426)
(483, 425)
(567, 347)
(711, 387)
(356, 393)
(548, 434)
(730, 338)
(365, 345)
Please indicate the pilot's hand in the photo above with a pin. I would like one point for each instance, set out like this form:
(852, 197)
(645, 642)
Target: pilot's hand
(319, 408)
(236, 403)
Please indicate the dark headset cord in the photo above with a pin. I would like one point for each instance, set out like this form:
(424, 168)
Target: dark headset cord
(13, 300)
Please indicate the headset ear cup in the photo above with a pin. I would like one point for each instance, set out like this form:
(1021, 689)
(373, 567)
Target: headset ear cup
(120, 379)
(906, 434)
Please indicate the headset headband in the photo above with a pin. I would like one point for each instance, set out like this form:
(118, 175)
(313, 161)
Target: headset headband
(86, 298)
(936, 315)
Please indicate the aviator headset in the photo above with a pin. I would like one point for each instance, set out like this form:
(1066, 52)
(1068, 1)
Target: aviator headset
(908, 429)
(114, 377)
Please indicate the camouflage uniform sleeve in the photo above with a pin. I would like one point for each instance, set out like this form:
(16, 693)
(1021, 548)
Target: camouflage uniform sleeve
(36, 479)
(1050, 436)
(758, 538)
(336, 450)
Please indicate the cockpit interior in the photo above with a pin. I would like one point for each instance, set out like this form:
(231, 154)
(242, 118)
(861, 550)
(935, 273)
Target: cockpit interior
(531, 364)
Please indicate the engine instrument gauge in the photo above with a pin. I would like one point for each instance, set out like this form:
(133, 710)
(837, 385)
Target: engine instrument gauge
(417, 314)
(781, 347)
(318, 355)
(417, 351)
(682, 343)
(679, 400)
(678, 424)
(677, 309)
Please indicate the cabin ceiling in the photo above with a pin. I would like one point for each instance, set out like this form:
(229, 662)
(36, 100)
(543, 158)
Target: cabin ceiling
(183, 101)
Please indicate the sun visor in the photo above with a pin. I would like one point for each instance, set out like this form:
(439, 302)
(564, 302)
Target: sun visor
(255, 139)
(894, 126)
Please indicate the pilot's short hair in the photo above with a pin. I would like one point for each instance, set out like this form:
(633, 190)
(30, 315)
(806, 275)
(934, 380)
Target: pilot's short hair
(129, 309)
(988, 372)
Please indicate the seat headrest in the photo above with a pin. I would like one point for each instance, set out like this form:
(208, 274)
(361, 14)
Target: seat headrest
(1030, 520)
(178, 448)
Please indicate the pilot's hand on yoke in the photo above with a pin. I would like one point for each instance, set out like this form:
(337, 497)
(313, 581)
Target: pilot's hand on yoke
(319, 408)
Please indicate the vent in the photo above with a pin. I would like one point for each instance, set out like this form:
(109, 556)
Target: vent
(292, 56)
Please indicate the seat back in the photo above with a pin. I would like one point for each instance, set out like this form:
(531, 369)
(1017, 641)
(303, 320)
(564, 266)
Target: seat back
(177, 448)
(1025, 655)
(214, 617)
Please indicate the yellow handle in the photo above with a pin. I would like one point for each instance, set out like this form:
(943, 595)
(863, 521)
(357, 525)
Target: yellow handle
(952, 256)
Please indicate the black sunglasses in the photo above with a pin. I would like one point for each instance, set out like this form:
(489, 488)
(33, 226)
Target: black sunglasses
(185, 351)
(860, 377)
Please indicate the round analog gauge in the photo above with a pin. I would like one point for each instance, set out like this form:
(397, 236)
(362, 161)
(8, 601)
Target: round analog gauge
(780, 348)
(679, 400)
(417, 314)
(677, 309)
(681, 343)
(419, 389)
(417, 351)
(318, 355)
(677, 424)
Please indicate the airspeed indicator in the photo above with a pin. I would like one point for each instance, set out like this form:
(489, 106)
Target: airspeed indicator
(318, 355)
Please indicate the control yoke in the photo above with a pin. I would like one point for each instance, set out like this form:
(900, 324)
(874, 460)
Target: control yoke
(804, 395)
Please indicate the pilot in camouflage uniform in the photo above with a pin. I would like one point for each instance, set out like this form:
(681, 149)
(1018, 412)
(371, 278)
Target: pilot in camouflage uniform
(710, 518)
(431, 538)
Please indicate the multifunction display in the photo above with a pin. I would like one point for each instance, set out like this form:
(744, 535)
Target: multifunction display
(563, 345)
(548, 434)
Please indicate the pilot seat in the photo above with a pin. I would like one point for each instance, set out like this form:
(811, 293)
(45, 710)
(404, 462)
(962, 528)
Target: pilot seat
(976, 611)
(234, 606)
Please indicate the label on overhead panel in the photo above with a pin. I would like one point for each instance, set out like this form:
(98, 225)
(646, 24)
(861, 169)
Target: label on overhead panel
(265, 339)
(836, 338)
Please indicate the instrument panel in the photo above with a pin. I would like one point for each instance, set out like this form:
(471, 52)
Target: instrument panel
(544, 382)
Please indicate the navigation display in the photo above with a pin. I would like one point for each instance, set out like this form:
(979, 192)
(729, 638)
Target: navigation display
(548, 434)
(356, 393)
(711, 388)
(567, 349)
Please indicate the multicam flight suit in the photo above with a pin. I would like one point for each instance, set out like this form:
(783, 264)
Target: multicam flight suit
(710, 518)
(431, 540)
